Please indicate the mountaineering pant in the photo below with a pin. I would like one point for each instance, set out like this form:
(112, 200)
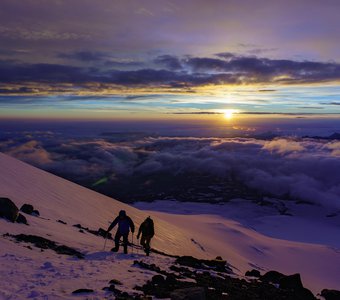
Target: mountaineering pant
(125, 241)
(145, 242)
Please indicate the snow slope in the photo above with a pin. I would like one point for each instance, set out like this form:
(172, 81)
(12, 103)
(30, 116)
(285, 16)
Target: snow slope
(250, 236)
(33, 274)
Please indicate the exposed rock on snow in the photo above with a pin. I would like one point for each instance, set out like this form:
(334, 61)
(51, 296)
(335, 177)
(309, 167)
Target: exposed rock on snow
(22, 219)
(44, 243)
(27, 208)
(8, 209)
(218, 286)
(82, 291)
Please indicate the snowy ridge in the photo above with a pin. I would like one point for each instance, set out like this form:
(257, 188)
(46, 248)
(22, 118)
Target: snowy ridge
(204, 234)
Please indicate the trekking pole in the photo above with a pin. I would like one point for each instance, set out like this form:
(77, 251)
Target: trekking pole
(132, 243)
(105, 242)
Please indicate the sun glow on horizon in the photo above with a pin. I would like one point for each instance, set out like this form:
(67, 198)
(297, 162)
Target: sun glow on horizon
(229, 113)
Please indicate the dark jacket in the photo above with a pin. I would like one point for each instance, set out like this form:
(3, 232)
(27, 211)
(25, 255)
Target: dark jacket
(147, 228)
(124, 225)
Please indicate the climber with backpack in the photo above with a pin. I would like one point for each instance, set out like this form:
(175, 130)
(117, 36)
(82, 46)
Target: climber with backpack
(146, 229)
(125, 224)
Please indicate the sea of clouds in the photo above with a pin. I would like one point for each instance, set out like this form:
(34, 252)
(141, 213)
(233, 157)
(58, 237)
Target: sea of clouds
(299, 168)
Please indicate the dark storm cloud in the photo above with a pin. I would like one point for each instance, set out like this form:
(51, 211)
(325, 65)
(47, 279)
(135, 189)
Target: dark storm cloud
(304, 169)
(176, 71)
(51, 73)
(169, 61)
(84, 56)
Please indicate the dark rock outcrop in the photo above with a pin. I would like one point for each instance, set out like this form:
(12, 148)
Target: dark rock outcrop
(8, 209)
(292, 282)
(194, 293)
(157, 279)
(272, 276)
(222, 286)
(216, 264)
(330, 294)
(253, 273)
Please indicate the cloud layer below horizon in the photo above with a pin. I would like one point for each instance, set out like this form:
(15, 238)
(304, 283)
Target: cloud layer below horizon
(301, 169)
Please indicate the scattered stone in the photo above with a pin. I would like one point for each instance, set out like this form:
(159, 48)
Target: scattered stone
(253, 273)
(62, 222)
(330, 294)
(115, 281)
(194, 293)
(82, 291)
(111, 288)
(22, 219)
(27, 209)
(8, 209)
(36, 213)
(100, 232)
(219, 265)
(43, 243)
(222, 286)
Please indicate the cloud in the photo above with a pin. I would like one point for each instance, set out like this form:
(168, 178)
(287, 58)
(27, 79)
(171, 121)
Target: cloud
(330, 103)
(84, 55)
(169, 61)
(283, 146)
(301, 169)
(176, 72)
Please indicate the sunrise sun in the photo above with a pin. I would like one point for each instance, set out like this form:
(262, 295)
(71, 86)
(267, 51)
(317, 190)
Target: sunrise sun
(229, 113)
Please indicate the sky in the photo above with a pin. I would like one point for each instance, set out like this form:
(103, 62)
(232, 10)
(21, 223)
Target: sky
(169, 59)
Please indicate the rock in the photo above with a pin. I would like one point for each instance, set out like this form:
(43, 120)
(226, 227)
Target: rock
(8, 209)
(157, 279)
(292, 282)
(330, 294)
(62, 222)
(272, 276)
(81, 291)
(36, 213)
(102, 232)
(194, 293)
(22, 219)
(27, 209)
(189, 261)
(303, 294)
(253, 273)
(115, 281)
(44, 243)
